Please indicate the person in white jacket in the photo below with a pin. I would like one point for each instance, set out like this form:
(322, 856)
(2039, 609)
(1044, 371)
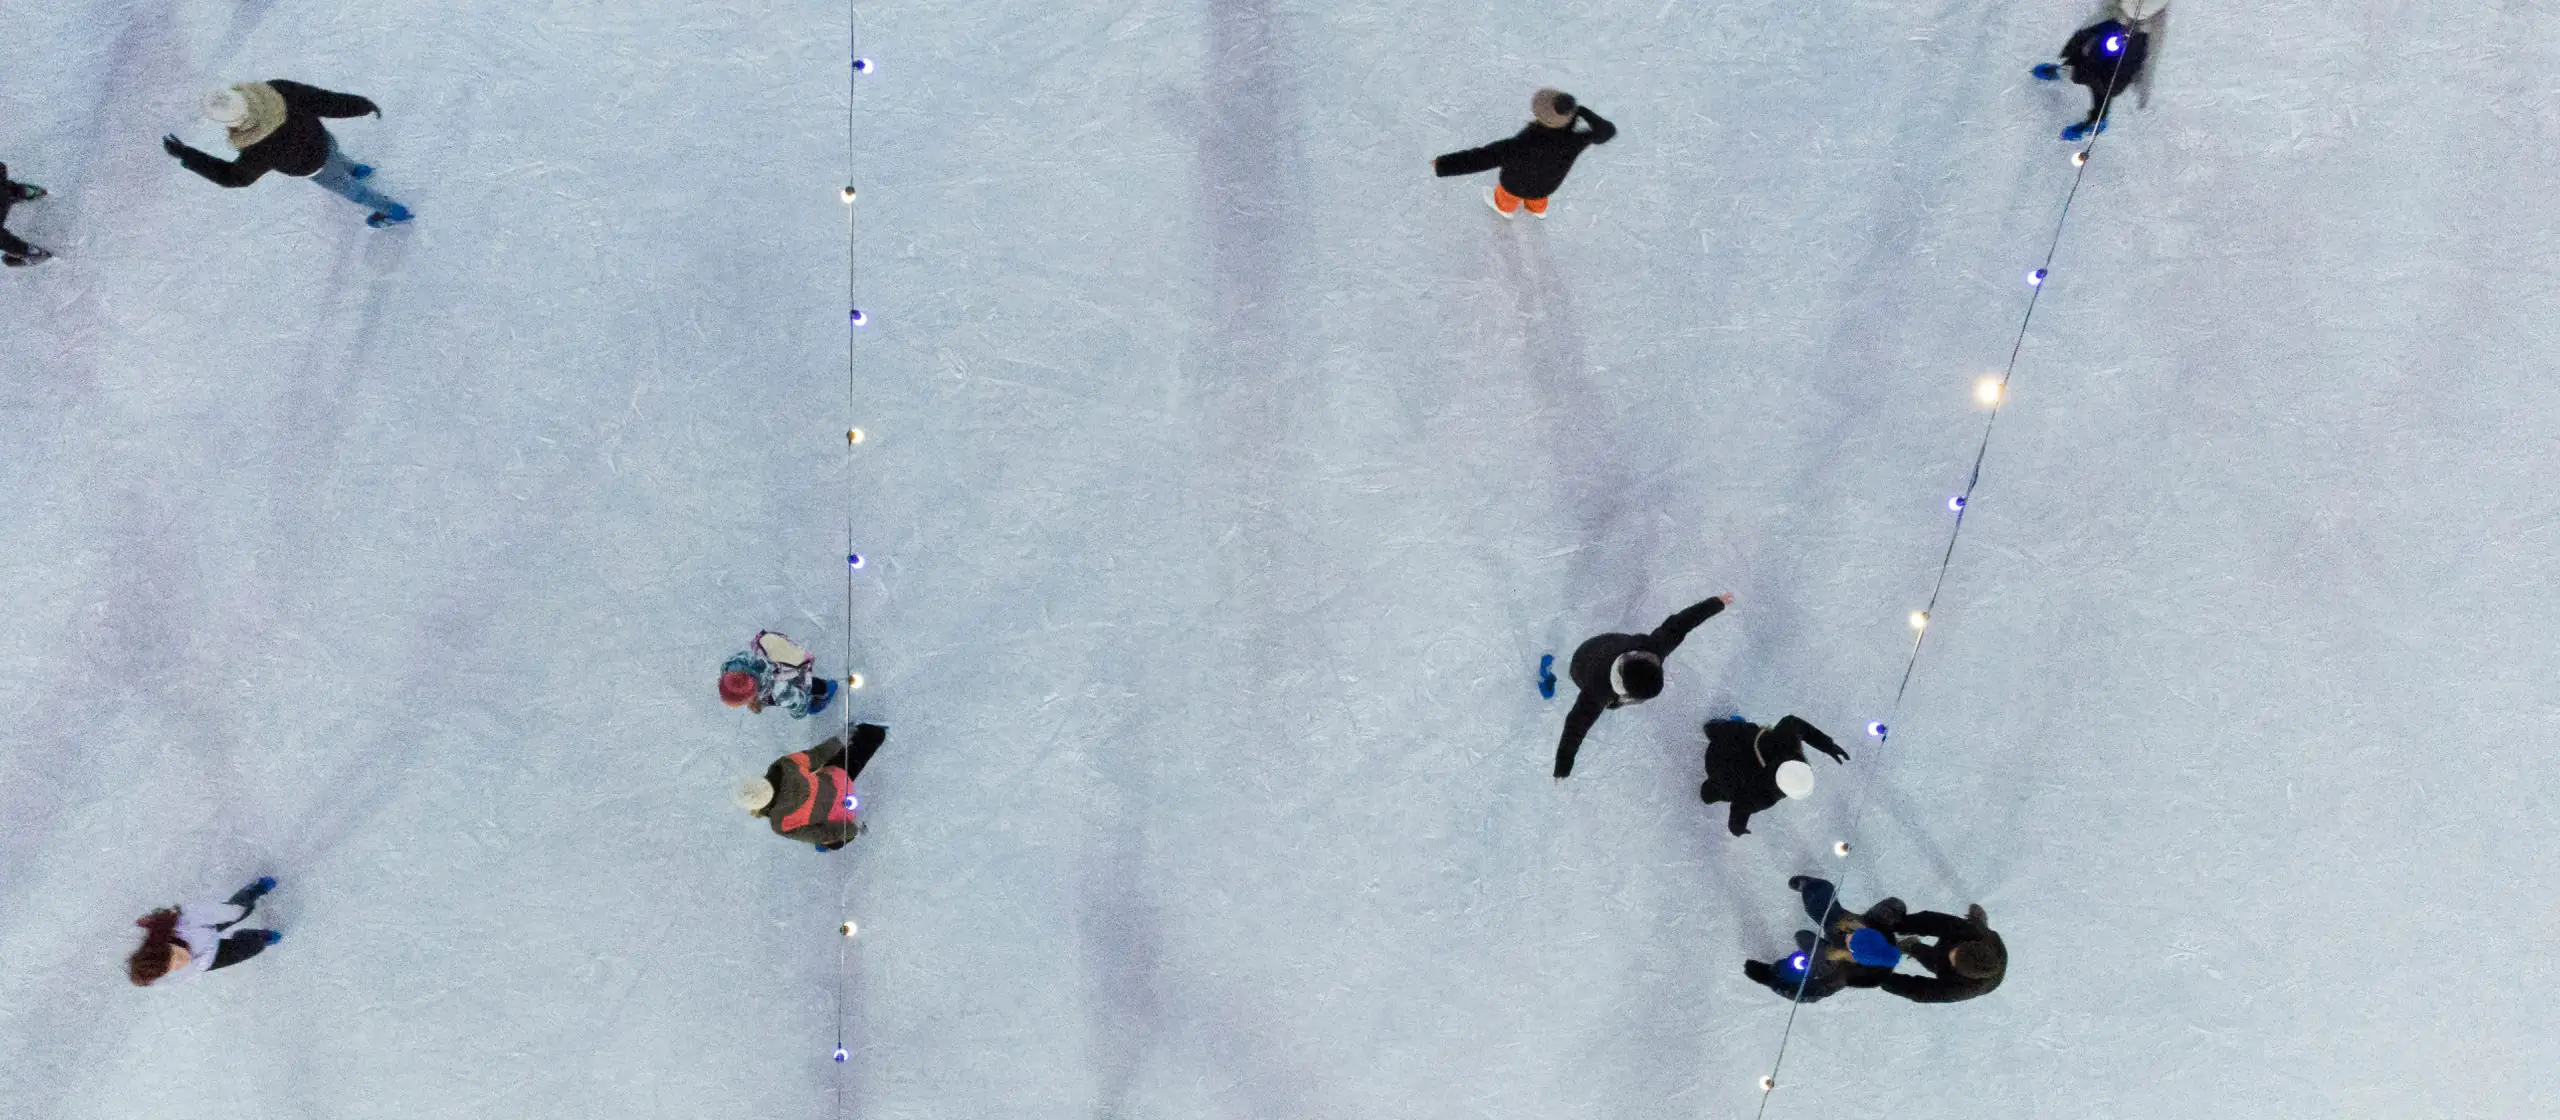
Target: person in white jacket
(181, 942)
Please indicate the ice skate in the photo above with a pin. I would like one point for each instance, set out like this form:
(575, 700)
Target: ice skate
(27, 192)
(359, 171)
(1547, 675)
(33, 256)
(392, 217)
(1496, 206)
(2047, 71)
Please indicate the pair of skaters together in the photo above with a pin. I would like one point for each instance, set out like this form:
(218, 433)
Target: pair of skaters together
(2105, 57)
(1964, 957)
(807, 795)
(1750, 768)
(271, 126)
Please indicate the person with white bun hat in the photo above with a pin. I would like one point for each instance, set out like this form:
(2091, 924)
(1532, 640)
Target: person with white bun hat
(1756, 767)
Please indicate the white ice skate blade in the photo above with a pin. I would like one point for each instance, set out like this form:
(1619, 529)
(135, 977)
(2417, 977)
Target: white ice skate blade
(1495, 206)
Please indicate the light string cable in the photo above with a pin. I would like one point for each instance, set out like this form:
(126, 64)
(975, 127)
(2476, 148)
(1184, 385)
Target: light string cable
(1994, 394)
(856, 66)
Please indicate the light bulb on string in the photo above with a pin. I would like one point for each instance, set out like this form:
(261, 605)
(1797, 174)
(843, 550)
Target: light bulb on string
(848, 928)
(848, 196)
(840, 1054)
(853, 680)
(1840, 849)
(854, 435)
(1919, 620)
(855, 559)
(1767, 1083)
(1986, 392)
(2036, 279)
(860, 319)
(2115, 44)
(1877, 729)
(1955, 504)
(2080, 159)
(861, 66)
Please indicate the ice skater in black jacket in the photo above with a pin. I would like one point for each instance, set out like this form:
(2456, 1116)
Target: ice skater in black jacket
(1853, 950)
(1756, 767)
(2105, 57)
(14, 252)
(1965, 957)
(1617, 669)
(275, 126)
(1534, 160)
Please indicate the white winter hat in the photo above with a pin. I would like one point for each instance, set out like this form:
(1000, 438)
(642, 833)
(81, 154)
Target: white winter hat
(227, 107)
(1795, 779)
(753, 795)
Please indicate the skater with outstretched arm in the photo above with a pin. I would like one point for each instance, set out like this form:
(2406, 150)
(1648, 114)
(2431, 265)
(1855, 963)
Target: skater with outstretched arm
(1756, 767)
(1614, 670)
(808, 796)
(180, 943)
(1534, 160)
(15, 252)
(275, 126)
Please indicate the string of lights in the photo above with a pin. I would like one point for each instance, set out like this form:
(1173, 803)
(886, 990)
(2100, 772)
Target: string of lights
(1992, 392)
(857, 66)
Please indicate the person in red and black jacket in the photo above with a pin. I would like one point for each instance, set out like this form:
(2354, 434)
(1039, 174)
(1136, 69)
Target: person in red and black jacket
(808, 795)
(275, 126)
(1533, 161)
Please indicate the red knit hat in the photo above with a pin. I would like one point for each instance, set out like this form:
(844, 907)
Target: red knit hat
(736, 688)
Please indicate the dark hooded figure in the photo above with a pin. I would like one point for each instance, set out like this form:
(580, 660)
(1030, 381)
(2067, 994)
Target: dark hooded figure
(1964, 956)
(2104, 57)
(1852, 950)
(1756, 767)
(1612, 670)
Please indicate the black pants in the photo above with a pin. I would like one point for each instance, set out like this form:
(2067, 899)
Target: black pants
(245, 944)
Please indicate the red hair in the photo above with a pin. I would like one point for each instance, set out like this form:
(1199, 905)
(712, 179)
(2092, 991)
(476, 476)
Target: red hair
(151, 961)
(736, 688)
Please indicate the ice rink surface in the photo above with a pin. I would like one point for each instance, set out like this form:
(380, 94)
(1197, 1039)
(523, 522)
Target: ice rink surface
(1227, 475)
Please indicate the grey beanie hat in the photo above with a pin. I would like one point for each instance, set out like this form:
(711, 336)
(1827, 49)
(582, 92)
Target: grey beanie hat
(1553, 108)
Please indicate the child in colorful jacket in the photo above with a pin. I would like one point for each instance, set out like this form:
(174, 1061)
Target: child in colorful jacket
(774, 672)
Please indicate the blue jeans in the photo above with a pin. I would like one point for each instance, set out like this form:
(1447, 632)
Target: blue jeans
(338, 175)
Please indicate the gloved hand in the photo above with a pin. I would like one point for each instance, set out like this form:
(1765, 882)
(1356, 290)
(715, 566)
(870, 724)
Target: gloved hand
(172, 145)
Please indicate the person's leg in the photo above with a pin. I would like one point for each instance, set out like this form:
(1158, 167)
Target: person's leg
(240, 947)
(1505, 201)
(2097, 104)
(1536, 206)
(10, 245)
(337, 175)
(859, 756)
(1821, 900)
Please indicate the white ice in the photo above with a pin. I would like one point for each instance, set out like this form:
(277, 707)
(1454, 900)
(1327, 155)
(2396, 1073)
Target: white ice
(1227, 475)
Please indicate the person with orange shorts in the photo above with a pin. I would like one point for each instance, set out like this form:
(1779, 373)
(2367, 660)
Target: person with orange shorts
(1533, 161)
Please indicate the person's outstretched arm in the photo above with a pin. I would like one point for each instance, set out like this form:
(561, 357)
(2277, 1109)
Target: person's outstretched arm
(1667, 637)
(322, 103)
(1470, 161)
(1737, 820)
(1601, 130)
(1577, 723)
(1811, 736)
(867, 738)
(1945, 927)
(1930, 989)
(220, 172)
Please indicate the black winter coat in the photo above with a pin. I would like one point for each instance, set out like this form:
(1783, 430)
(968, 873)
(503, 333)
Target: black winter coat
(1945, 985)
(2093, 67)
(1590, 672)
(1533, 161)
(298, 147)
(1743, 760)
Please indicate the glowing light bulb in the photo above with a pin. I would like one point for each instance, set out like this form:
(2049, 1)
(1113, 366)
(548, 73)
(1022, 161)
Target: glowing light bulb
(855, 559)
(1987, 391)
(848, 928)
(840, 1054)
(2079, 159)
(853, 680)
(2036, 279)
(2115, 43)
(850, 804)
(861, 66)
(1767, 1083)
(1840, 849)
(1956, 504)
(848, 195)
(1919, 620)
(1877, 728)
(854, 436)
(859, 318)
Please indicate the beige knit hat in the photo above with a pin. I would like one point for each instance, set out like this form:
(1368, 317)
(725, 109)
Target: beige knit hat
(250, 111)
(1553, 108)
(753, 795)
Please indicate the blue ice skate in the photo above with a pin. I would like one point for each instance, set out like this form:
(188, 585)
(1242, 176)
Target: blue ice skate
(2047, 72)
(391, 217)
(264, 884)
(822, 691)
(359, 171)
(272, 936)
(1547, 675)
(2079, 132)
